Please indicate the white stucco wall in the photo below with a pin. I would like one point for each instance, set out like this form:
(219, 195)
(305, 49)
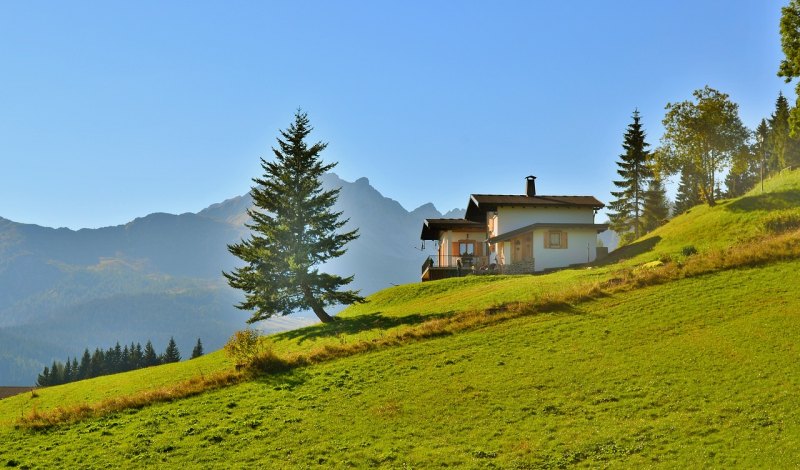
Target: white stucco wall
(581, 248)
(451, 236)
(512, 218)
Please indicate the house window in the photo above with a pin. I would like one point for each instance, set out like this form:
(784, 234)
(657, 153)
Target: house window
(555, 239)
(466, 248)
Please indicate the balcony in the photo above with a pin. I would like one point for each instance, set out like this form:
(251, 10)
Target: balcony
(444, 266)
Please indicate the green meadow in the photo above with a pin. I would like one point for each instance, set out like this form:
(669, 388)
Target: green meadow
(697, 368)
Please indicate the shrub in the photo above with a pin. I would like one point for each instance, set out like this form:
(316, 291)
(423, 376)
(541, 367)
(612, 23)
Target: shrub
(688, 250)
(243, 346)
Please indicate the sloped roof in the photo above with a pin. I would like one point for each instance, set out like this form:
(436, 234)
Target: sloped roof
(433, 227)
(513, 233)
(479, 204)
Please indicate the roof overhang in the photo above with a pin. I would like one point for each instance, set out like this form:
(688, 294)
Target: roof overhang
(480, 204)
(432, 228)
(528, 228)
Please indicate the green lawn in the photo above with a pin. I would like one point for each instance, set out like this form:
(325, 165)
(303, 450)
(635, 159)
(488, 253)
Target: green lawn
(695, 373)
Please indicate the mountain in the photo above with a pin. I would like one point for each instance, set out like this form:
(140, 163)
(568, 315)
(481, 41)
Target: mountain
(158, 276)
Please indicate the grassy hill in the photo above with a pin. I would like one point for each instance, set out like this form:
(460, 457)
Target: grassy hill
(662, 358)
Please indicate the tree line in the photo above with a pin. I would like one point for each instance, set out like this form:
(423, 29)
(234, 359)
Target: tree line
(702, 139)
(111, 361)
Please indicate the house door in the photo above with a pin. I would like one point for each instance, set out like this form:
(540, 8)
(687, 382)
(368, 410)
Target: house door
(522, 249)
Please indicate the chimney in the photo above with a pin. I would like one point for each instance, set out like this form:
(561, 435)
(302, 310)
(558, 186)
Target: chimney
(530, 187)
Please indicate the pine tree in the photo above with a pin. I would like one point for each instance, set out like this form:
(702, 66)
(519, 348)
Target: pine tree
(137, 356)
(688, 195)
(779, 143)
(656, 205)
(67, 377)
(198, 349)
(150, 356)
(125, 362)
(294, 231)
(98, 363)
(171, 354)
(56, 373)
(43, 380)
(626, 209)
(86, 362)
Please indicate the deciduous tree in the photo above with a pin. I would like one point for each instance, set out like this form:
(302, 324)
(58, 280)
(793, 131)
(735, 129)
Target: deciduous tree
(702, 136)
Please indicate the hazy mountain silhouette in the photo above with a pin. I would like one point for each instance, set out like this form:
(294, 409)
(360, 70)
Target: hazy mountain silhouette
(160, 276)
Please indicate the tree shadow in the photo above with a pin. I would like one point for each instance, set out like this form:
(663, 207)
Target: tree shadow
(765, 202)
(629, 251)
(356, 324)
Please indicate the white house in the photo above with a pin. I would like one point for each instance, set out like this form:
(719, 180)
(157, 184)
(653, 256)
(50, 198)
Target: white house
(514, 234)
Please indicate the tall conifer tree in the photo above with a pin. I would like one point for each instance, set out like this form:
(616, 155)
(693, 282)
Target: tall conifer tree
(294, 231)
(634, 168)
(656, 205)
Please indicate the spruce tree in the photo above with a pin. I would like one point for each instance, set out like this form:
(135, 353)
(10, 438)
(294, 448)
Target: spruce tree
(43, 380)
(779, 143)
(98, 364)
(67, 377)
(85, 367)
(688, 195)
(294, 231)
(198, 349)
(171, 354)
(656, 205)
(150, 357)
(626, 209)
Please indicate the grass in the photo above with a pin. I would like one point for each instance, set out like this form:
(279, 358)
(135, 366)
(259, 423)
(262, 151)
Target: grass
(627, 380)
(702, 339)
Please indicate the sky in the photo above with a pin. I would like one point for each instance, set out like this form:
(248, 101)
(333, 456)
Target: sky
(113, 110)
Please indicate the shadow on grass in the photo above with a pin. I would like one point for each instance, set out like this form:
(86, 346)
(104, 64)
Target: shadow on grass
(287, 380)
(629, 251)
(766, 202)
(356, 324)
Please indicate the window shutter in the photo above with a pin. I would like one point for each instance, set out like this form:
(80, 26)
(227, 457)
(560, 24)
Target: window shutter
(547, 239)
(564, 243)
(454, 251)
(478, 249)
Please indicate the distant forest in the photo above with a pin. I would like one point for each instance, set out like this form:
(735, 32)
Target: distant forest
(111, 361)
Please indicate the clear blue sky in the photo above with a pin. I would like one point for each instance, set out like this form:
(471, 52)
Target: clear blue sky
(113, 110)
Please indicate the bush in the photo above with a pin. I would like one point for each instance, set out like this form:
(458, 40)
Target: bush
(243, 346)
(688, 250)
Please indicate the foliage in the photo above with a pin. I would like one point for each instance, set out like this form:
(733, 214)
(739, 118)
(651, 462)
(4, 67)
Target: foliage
(114, 360)
(294, 231)
(746, 166)
(656, 205)
(171, 354)
(790, 65)
(701, 137)
(198, 349)
(243, 346)
(635, 171)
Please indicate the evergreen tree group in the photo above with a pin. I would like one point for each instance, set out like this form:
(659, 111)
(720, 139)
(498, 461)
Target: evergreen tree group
(114, 360)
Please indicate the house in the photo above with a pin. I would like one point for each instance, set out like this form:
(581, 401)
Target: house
(514, 234)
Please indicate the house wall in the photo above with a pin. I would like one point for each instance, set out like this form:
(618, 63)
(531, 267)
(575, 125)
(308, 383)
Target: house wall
(447, 239)
(512, 218)
(581, 248)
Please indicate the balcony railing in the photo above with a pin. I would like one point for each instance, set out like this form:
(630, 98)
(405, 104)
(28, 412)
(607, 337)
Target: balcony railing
(466, 262)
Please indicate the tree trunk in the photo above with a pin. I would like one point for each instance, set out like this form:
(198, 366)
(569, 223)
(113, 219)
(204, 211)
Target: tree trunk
(315, 305)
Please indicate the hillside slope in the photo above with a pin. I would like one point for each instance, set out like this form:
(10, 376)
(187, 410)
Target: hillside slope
(628, 379)
(688, 364)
